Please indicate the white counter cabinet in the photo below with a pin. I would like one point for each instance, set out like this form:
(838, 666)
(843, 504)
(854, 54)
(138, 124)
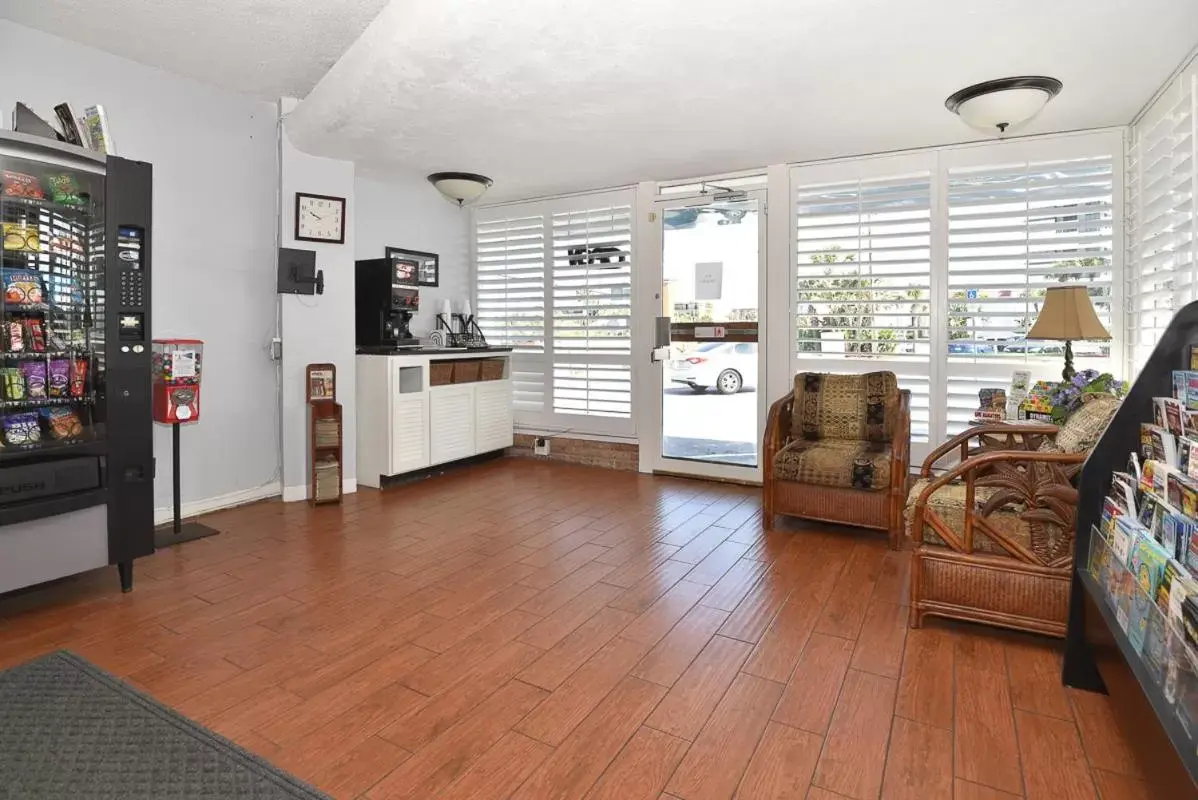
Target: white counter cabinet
(406, 425)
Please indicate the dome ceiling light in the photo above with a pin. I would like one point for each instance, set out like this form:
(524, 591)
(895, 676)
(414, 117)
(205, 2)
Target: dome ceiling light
(999, 105)
(462, 188)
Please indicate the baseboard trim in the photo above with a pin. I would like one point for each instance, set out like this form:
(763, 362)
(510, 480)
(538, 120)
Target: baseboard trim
(293, 494)
(206, 506)
(388, 481)
(708, 478)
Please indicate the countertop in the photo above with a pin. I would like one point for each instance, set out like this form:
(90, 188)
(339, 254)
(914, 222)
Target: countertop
(440, 351)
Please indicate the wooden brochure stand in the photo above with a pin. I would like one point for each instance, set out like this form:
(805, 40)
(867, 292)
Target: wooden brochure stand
(324, 435)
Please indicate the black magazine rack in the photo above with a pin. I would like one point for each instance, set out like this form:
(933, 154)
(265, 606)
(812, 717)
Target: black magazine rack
(1098, 654)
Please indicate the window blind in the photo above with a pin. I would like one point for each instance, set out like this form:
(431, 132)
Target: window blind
(510, 279)
(592, 281)
(554, 281)
(933, 264)
(592, 311)
(863, 279)
(1014, 231)
(510, 299)
(1163, 224)
(864, 269)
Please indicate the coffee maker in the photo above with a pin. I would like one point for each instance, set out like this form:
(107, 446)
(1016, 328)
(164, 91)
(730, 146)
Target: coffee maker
(385, 298)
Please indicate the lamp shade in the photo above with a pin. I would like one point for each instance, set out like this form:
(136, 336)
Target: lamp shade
(1068, 314)
(462, 188)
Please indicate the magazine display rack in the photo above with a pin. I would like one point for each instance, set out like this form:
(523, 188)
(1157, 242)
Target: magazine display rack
(1117, 639)
(324, 435)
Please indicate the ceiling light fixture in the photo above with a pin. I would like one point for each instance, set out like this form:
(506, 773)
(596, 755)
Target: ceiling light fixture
(462, 188)
(1004, 103)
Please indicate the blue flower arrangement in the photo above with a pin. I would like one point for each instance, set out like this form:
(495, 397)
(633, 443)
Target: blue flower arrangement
(1069, 395)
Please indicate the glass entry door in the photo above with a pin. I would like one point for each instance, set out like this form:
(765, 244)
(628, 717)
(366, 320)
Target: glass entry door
(710, 414)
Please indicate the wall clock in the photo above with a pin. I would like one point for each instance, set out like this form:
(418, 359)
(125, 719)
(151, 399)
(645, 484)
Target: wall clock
(319, 218)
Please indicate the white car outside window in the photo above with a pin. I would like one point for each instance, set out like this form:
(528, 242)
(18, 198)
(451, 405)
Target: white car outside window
(728, 367)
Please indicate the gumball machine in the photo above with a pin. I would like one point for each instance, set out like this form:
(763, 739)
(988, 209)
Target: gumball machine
(177, 365)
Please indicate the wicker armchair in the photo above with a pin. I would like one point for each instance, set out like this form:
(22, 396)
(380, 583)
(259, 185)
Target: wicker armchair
(994, 532)
(837, 449)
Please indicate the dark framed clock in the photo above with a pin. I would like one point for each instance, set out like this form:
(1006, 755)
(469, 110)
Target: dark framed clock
(319, 218)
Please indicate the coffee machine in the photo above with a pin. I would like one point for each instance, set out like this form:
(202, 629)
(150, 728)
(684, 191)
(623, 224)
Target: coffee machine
(385, 298)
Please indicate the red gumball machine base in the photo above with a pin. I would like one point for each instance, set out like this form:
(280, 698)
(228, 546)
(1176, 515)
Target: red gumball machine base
(175, 404)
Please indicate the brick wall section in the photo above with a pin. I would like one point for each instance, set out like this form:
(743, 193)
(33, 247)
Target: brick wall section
(613, 455)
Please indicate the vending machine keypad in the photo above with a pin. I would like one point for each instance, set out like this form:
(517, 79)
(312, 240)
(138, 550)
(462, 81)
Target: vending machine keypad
(129, 255)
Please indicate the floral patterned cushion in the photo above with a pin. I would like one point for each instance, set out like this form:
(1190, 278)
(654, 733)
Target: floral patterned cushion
(835, 462)
(850, 407)
(948, 503)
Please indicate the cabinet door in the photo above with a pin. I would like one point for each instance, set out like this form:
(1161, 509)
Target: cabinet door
(493, 415)
(451, 422)
(409, 441)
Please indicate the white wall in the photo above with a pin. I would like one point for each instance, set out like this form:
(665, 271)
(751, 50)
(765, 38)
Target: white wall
(316, 328)
(214, 158)
(406, 211)
(402, 211)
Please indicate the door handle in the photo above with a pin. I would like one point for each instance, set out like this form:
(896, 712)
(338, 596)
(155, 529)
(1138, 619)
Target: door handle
(661, 340)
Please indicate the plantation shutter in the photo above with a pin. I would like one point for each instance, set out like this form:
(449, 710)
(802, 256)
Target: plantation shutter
(863, 276)
(554, 281)
(1014, 230)
(510, 299)
(1163, 245)
(592, 311)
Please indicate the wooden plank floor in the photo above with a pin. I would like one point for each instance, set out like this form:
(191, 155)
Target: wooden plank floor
(535, 631)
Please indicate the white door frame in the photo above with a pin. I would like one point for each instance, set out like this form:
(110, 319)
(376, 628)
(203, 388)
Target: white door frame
(651, 376)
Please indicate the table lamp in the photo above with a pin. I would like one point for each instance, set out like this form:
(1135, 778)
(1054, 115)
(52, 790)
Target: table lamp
(1068, 315)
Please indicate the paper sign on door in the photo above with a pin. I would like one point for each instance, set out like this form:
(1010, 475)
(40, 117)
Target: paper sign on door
(709, 280)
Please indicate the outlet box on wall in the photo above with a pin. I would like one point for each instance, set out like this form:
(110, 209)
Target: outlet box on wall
(540, 447)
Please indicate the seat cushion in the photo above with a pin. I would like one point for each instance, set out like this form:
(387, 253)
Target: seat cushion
(850, 407)
(1086, 425)
(835, 462)
(948, 502)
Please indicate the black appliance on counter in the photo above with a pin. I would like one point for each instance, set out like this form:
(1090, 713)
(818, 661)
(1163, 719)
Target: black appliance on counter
(76, 461)
(385, 298)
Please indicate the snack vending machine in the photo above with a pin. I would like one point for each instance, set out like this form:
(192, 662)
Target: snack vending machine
(76, 446)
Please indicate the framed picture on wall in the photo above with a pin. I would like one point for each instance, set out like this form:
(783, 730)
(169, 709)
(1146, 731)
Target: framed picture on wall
(428, 268)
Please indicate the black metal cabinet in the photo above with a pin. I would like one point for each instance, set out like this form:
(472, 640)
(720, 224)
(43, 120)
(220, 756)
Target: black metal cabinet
(1098, 654)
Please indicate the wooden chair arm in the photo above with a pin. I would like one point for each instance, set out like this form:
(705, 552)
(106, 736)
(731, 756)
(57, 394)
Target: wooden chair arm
(961, 441)
(1043, 496)
(900, 451)
(975, 463)
(777, 428)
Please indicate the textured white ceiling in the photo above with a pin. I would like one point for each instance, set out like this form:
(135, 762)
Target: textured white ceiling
(557, 95)
(270, 48)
